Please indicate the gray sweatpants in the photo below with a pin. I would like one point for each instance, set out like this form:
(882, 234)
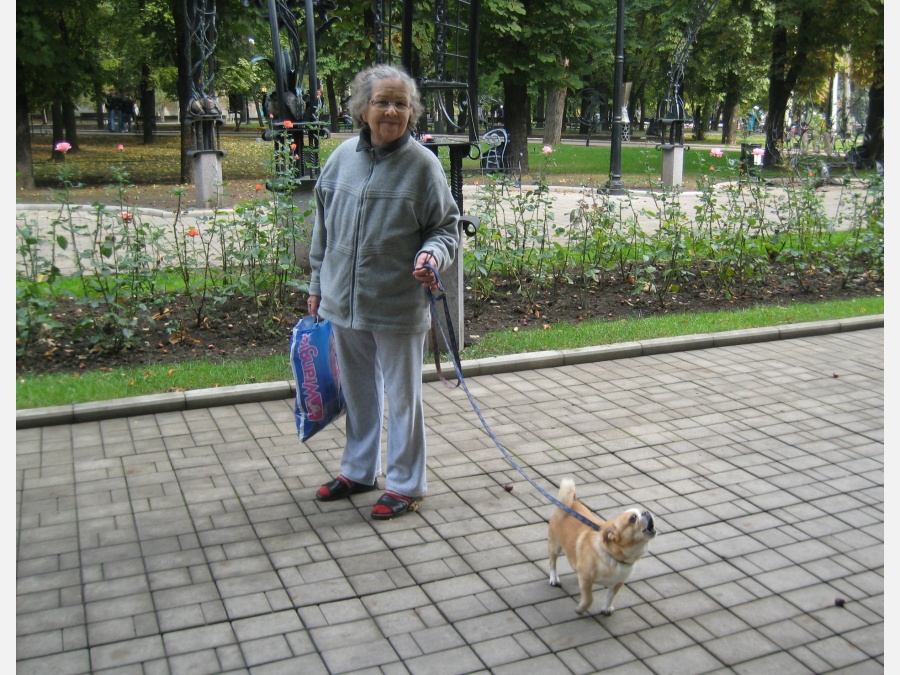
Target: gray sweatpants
(375, 363)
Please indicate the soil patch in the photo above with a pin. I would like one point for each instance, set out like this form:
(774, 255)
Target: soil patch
(237, 331)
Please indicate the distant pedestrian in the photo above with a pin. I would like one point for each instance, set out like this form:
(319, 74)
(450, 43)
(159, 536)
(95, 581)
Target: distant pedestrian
(753, 118)
(128, 115)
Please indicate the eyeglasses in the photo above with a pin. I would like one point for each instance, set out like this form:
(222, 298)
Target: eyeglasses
(382, 104)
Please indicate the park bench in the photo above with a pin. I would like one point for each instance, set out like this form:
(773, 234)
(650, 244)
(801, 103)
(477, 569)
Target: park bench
(825, 156)
(837, 154)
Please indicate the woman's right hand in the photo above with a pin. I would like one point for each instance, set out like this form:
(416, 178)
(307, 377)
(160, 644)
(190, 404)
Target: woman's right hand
(312, 305)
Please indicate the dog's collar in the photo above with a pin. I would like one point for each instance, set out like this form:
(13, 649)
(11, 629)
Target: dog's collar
(621, 562)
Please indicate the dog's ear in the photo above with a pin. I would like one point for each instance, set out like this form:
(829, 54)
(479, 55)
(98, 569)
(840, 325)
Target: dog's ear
(610, 534)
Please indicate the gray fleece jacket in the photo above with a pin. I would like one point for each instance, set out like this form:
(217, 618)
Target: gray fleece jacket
(376, 209)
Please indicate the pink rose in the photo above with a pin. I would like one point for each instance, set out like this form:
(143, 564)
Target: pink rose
(63, 146)
(547, 150)
(715, 152)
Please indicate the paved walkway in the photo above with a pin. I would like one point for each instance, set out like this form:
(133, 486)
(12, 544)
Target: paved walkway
(191, 541)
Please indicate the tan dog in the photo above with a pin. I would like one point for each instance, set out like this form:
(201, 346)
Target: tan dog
(607, 556)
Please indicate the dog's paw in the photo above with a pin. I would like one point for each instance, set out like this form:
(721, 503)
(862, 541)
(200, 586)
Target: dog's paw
(607, 611)
(554, 579)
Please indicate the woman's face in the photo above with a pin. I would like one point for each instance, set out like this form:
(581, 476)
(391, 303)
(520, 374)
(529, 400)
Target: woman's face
(388, 112)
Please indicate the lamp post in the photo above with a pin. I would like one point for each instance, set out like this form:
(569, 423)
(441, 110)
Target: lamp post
(615, 185)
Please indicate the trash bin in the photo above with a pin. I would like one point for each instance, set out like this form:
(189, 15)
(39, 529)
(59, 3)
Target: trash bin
(751, 160)
(747, 154)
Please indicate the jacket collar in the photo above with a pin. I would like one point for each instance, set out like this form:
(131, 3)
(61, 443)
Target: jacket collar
(365, 143)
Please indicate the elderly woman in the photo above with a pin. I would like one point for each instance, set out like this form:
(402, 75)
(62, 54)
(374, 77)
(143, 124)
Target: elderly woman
(384, 211)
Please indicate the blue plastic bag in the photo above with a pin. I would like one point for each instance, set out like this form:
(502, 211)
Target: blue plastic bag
(318, 400)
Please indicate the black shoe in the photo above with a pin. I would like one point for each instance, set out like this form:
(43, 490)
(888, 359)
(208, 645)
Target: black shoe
(341, 488)
(390, 505)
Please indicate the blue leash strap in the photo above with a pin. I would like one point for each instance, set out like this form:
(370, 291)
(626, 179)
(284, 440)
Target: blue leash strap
(452, 344)
(452, 347)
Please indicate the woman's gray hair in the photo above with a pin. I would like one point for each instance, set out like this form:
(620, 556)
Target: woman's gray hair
(364, 84)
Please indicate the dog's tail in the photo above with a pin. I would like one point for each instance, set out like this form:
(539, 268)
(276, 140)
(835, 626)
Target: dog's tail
(567, 492)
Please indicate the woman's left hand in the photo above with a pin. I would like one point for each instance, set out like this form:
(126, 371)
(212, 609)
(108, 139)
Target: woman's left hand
(424, 275)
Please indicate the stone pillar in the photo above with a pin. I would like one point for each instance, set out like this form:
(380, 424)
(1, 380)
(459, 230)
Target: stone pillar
(672, 164)
(207, 177)
(304, 200)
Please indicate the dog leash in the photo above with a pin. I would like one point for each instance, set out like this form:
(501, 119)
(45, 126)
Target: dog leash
(453, 349)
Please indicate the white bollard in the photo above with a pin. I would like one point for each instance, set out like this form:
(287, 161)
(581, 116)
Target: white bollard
(207, 177)
(672, 164)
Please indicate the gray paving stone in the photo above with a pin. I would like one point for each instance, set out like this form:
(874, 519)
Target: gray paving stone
(489, 626)
(127, 652)
(740, 647)
(250, 604)
(494, 653)
(39, 644)
(810, 659)
(451, 662)
(265, 650)
(837, 652)
(686, 661)
(788, 634)
(781, 663)
(872, 667)
(74, 662)
(203, 662)
(356, 657)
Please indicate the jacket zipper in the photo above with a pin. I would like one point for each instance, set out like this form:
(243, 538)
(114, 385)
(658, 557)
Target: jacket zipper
(356, 236)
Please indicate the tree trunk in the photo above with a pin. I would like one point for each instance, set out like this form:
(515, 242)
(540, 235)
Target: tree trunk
(730, 122)
(778, 100)
(874, 142)
(699, 125)
(332, 103)
(99, 98)
(782, 79)
(731, 110)
(70, 125)
(148, 106)
(58, 134)
(539, 109)
(183, 61)
(555, 116)
(24, 162)
(515, 118)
